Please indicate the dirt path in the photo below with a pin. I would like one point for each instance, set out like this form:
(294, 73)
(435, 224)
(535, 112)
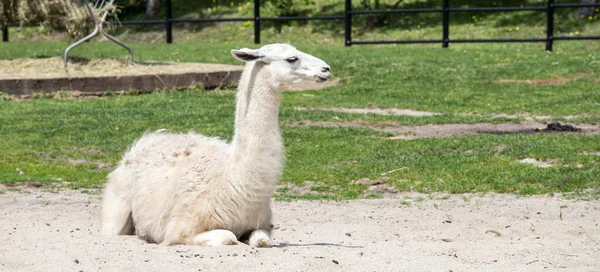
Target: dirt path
(42, 231)
(406, 132)
(531, 125)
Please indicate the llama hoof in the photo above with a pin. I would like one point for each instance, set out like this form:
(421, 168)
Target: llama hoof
(217, 237)
(264, 243)
(260, 238)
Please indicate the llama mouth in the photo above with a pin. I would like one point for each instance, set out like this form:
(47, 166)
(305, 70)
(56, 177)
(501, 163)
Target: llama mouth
(321, 79)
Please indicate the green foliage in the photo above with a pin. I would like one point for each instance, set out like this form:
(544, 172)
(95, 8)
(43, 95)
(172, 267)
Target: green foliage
(285, 7)
(5, 97)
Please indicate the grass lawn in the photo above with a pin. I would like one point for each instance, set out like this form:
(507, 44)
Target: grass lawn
(79, 141)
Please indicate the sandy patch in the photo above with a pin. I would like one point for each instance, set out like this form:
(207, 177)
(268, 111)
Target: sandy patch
(448, 130)
(53, 68)
(60, 232)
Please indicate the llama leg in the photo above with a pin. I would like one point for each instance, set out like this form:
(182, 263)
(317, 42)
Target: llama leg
(116, 205)
(260, 238)
(216, 237)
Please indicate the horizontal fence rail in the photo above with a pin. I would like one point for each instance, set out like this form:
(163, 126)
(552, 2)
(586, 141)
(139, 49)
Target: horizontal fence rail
(446, 10)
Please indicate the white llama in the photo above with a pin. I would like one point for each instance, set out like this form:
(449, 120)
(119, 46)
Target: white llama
(195, 190)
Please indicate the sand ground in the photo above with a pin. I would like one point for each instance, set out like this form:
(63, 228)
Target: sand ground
(46, 231)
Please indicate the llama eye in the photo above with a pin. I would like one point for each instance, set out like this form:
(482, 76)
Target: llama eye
(292, 59)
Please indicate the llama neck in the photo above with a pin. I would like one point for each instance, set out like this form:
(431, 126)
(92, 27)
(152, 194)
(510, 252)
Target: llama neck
(257, 144)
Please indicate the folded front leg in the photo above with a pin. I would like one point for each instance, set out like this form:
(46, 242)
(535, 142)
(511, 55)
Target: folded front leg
(216, 237)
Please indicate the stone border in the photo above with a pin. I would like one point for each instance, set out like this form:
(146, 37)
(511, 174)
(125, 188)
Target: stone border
(100, 85)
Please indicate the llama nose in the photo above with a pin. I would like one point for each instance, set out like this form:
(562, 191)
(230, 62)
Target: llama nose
(325, 69)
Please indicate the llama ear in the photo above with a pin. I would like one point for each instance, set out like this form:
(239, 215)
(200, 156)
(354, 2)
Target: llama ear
(246, 54)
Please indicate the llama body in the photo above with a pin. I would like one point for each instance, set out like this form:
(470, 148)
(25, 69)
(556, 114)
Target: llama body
(192, 189)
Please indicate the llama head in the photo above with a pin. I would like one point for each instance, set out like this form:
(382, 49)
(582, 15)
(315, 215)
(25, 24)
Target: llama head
(287, 64)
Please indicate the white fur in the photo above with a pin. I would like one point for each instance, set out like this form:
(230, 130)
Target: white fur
(192, 189)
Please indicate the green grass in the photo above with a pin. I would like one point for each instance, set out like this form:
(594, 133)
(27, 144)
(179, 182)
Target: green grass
(42, 135)
(79, 141)
(42, 138)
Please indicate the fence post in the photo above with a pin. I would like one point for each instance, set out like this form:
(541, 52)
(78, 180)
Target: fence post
(256, 21)
(550, 25)
(5, 33)
(348, 23)
(168, 22)
(445, 23)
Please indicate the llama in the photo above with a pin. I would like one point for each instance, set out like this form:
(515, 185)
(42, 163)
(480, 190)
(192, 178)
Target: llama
(195, 190)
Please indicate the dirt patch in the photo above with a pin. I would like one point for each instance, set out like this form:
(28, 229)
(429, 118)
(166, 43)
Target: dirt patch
(387, 111)
(33, 185)
(536, 81)
(60, 232)
(537, 163)
(528, 117)
(449, 130)
(378, 186)
(308, 188)
(372, 182)
(21, 185)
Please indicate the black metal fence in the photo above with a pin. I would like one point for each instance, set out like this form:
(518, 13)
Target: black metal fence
(446, 10)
